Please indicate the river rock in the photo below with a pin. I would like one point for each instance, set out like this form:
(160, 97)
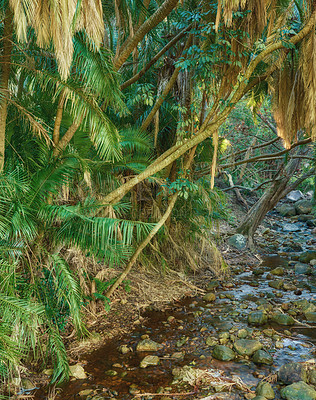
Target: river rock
(301, 269)
(283, 319)
(279, 271)
(307, 256)
(303, 207)
(242, 333)
(292, 372)
(308, 307)
(209, 297)
(178, 355)
(258, 271)
(311, 317)
(257, 318)
(304, 305)
(246, 347)
(262, 357)
(223, 353)
(265, 389)
(212, 285)
(124, 349)
(305, 217)
(149, 360)
(295, 195)
(259, 398)
(276, 284)
(293, 247)
(289, 286)
(224, 325)
(148, 345)
(85, 392)
(311, 223)
(111, 372)
(77, 372)
(312, 377)
(298, 391)
(287, 227)
(286, 210)
(211, 341)
(238, 241)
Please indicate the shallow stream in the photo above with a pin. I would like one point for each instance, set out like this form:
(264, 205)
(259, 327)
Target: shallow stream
(184, 327)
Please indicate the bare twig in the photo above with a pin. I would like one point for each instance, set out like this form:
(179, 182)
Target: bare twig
(164, 394)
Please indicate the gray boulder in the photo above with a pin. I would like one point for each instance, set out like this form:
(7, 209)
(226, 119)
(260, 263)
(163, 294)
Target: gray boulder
(265, 389)
(223, 353)
(276, 284)
(212, 285)
(298, 391)
(303, 206)
(287, 227)
(279, 271)
(238, 241)
(291, 373)
(262, 357)
(283, 319)
(286, 210)
(246, 347)
(310, 317)
(257, 318)
(307, 256)
(148, 345)
(295, 195)
(149, 360)
(301, 269)
(305, 217)
(77, 372)
(209, 296)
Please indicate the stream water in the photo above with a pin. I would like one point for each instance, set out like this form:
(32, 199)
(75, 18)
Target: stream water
(183, 329)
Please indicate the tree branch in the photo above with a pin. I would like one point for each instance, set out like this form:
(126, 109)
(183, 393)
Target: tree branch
(142, 72)
(130, 44)
(165, 92)
(268, 156)
(207, 128)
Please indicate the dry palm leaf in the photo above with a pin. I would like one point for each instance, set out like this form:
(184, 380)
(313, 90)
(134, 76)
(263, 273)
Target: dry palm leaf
(57, 21)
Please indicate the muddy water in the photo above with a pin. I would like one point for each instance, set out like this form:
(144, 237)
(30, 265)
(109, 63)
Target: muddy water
(194, 321)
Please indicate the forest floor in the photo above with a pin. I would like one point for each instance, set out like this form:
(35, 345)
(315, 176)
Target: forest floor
(150, 289)
(171, 309)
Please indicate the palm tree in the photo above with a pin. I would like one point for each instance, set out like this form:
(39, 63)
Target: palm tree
(33, 233)
(54, 23)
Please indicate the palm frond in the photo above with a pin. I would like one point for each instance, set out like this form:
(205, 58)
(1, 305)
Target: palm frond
(58, 354)
(68, 289)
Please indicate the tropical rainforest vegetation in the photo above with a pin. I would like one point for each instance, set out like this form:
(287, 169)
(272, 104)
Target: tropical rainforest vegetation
(115, 119)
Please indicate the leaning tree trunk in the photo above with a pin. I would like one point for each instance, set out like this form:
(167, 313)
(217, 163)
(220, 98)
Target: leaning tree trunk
(277, 190)
(159, 15)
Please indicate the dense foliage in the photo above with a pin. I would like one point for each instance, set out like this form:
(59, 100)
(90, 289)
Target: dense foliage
(113, 116)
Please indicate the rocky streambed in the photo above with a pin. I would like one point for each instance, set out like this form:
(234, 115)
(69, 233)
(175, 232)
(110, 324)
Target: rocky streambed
(250, 336)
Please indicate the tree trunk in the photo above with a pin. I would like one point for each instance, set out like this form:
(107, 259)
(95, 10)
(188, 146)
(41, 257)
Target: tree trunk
(208, 127)
(4, 80)
(59, 117)
(65, 140)
(165, 92)
(143, 244)
(127, 48)
(278, 189)
(168, 46)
